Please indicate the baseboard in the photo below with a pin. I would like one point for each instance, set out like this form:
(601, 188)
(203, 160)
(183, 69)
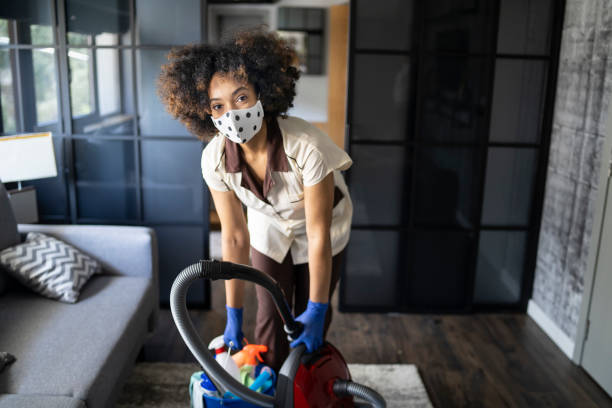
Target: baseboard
(553, 331)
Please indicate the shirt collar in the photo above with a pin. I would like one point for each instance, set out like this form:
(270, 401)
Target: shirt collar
(277, 161)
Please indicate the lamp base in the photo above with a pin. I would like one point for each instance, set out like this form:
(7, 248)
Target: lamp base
(24, 205)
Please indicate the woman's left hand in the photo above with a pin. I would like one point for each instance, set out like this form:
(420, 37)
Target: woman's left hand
(313, 320)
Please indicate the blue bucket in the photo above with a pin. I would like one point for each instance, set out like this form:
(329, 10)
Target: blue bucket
(229, 401)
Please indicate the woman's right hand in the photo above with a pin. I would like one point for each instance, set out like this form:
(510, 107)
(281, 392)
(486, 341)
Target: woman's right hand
(233, 336)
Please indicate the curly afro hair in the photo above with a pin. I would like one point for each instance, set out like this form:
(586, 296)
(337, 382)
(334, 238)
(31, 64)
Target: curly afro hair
(261, 58)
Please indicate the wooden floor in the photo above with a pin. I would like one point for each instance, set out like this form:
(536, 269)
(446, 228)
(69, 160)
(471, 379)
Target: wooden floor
(481, 360)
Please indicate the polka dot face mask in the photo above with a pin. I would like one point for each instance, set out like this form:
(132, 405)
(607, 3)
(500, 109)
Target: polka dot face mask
(240, 125)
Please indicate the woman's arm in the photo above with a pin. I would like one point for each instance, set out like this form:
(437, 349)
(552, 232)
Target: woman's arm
(318, 202)
(235, 240)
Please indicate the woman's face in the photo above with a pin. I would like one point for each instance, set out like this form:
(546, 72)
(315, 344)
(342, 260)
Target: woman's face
(226, 93)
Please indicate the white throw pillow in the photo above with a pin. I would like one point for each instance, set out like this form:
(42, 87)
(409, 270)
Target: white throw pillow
(49, 266)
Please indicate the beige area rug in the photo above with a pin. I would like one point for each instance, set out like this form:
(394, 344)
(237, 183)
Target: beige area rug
(167, 384)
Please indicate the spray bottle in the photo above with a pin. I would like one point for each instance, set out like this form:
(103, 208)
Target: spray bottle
(223, 358)
(264, 380)
(249, 355)
(246, 360)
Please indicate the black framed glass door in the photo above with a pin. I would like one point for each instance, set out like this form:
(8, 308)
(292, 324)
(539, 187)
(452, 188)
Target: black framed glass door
(448, 119)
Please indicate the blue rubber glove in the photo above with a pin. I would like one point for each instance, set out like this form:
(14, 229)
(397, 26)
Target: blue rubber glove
(313, 319)
(233, 328)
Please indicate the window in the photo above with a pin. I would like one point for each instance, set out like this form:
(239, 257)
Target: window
(45, 86)
(81, 87)
(29, 100)
(304, 28)
(7, 92)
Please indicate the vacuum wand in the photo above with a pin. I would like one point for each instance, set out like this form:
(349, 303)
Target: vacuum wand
(214, 270)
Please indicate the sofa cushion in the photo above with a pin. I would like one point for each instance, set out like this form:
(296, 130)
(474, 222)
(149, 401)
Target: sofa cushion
(75, 350)
(49, 266)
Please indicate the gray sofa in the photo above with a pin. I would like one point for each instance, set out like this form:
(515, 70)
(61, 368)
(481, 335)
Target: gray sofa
(78, 355)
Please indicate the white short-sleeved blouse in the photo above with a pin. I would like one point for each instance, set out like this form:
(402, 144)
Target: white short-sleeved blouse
(299, 155)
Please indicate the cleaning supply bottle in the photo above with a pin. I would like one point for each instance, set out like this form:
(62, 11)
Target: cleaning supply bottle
(249, 355)
(195, 391)
(202, 386)
(208, 388)
(223, 358)
(246, 360)
(264, 380)
(197, 396)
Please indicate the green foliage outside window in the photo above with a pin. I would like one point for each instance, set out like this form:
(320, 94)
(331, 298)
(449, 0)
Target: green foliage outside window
(80, 85)
(6, 93)
(45, 85)
(77, 39)
(4, 30)
(41, 34)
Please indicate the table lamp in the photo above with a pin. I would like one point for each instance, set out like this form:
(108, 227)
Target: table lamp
(23, 157)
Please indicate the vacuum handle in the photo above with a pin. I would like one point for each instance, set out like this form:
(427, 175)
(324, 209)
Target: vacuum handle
(214, 270)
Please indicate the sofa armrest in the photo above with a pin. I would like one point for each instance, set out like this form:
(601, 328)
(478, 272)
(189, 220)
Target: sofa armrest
(122, 250)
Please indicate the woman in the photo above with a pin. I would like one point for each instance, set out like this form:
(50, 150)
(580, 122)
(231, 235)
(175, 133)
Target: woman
(283, 169)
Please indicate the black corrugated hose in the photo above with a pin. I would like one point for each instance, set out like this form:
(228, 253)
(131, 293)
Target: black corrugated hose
(342, 387)
(221, 378)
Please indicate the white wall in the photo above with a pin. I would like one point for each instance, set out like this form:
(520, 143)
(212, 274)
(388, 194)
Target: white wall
(310, 101)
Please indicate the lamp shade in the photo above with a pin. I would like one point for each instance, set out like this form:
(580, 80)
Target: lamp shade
(27, 156)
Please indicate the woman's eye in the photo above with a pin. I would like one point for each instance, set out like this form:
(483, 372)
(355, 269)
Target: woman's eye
(217, 107)
(242, 98)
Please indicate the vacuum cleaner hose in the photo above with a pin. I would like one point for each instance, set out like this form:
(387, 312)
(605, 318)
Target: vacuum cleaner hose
(343, 387)
(214, 270)
(221, 378)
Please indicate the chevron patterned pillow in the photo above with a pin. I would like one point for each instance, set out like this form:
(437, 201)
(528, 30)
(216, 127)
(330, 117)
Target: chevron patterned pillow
(49, 266)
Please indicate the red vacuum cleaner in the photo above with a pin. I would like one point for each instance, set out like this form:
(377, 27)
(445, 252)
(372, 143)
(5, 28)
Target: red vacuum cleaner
(317, 380)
